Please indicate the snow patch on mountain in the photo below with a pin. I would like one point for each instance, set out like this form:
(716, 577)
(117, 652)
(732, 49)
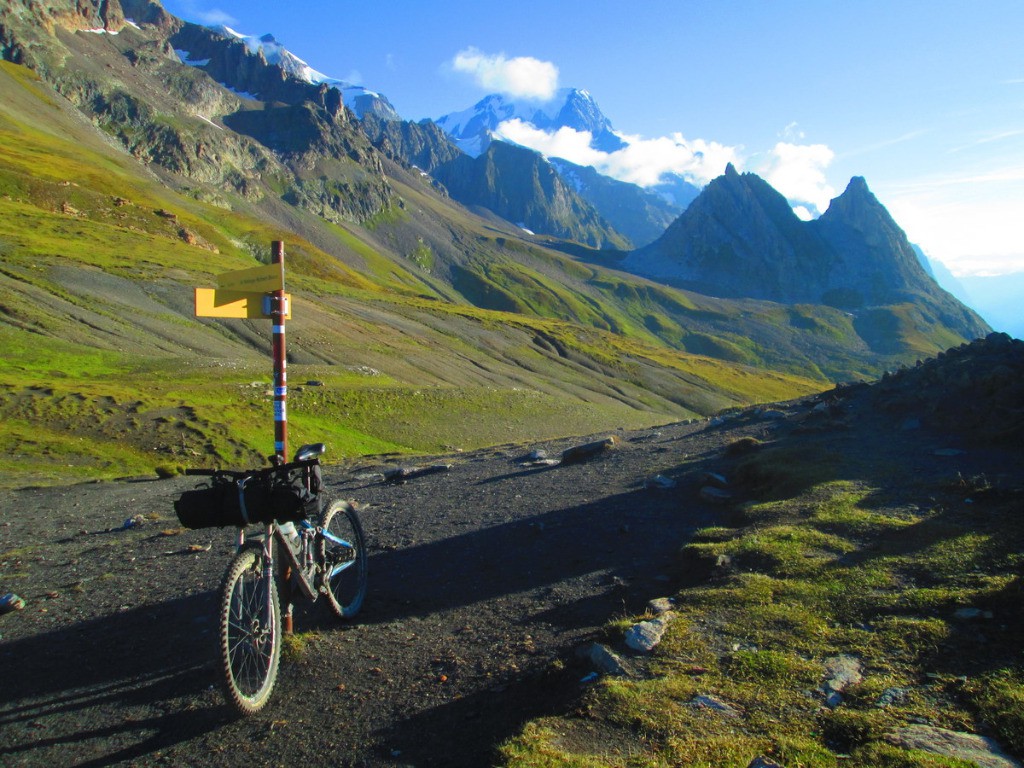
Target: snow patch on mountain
(357, 98)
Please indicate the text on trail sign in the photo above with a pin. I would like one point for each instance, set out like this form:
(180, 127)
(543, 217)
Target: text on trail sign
(258, 279)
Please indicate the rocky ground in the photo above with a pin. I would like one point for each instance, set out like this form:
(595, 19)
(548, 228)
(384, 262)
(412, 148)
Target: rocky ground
(485, 580)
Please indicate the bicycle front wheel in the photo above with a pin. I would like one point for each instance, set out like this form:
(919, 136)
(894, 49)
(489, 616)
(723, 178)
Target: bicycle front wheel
(343, 557)
(250, 632)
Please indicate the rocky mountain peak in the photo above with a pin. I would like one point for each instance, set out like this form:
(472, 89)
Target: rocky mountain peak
(472, 129)
(856, 202)
(740, 238)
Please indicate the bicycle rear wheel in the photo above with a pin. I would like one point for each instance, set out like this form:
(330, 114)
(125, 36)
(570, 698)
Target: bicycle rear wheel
(343, 555)
(250, 632)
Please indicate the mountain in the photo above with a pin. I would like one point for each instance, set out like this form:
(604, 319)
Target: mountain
(238, 61)
(473, 129)
(995, 297)
(522, 187)
(640, 215)
(740, 238)
(129, 177)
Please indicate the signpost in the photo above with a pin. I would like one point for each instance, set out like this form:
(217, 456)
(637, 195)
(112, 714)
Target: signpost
(258, 293)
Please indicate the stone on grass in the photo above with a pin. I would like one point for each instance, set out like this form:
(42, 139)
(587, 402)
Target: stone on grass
(713, 704)
(605, 660)
(646, 635)
(840, 673)
(660, 604)
(983, 751)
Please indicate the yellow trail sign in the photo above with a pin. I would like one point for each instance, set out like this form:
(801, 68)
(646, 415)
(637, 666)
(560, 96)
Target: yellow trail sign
(215, 302)
(266, 278)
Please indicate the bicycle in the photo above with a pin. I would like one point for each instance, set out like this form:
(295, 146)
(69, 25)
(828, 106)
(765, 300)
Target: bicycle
(323, 556)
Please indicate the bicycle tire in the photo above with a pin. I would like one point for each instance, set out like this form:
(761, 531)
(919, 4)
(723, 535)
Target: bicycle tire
(250, 637)
(342, 553)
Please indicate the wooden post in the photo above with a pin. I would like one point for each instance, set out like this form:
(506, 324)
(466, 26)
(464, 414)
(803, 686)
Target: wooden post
(278, 311)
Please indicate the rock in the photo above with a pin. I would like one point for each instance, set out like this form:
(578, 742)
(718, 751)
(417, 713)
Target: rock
(840, 673)
(587, 451)
(714, 479)
(892, 696)
(401, 474)
(715, 705)
(773, 414)
(646, 635)
(763, 762)
(948, 452)
(967, 614)
(715, 495)
(661, 604)
(605, 660)
(543, 463)
(660, 482)
(983, 751)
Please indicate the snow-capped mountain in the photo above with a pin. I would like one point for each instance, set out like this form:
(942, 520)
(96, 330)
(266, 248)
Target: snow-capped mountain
(357, 98)
(473, 129)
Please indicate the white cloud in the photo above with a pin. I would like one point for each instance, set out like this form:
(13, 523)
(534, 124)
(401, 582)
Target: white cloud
(969, 220)
(642, 162)
(797, 171)
(216, 17)
(521, 76)
(566, 143)
(792, 133)
(212, 17)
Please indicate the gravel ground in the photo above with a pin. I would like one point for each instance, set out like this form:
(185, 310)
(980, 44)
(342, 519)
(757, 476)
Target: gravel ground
(484, 579)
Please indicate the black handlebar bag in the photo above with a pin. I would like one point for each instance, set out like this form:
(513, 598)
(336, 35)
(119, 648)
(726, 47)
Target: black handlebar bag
(253, 499)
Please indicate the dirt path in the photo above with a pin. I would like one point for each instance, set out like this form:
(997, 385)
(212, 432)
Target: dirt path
(483, 581)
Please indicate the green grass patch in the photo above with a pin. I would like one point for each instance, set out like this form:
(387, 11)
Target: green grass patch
(826, 567)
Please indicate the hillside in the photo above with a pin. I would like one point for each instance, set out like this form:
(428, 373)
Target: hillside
(100, 259)
(128, 177)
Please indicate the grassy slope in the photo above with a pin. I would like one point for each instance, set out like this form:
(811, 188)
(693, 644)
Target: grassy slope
(108, 373)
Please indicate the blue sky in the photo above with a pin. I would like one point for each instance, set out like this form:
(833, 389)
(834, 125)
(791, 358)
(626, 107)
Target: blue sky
(923, 99)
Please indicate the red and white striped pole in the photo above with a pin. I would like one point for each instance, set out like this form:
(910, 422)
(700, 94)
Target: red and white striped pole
(278, 311)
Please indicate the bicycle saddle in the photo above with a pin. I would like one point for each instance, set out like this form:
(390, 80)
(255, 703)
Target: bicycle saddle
(311, 451)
